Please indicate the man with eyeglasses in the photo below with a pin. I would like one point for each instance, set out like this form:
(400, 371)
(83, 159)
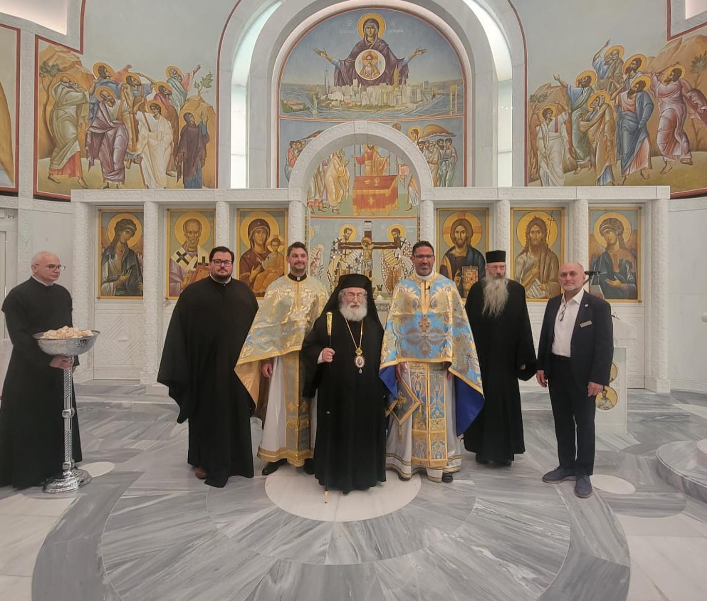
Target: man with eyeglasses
(574, 358)
(429, 364)
(31, 422)
(272, 350)
(209, 325)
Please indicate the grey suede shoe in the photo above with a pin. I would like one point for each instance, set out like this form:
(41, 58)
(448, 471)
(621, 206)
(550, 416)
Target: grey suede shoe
(559, 474)
(583, 487)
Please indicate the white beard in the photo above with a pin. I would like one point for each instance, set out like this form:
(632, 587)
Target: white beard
(351, 314)
(495, 295)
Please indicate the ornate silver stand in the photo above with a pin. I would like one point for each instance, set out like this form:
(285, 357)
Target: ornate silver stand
(71, 477)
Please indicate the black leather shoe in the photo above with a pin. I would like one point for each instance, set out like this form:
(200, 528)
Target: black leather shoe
(447, 477)
(309, 466)
(271, 467)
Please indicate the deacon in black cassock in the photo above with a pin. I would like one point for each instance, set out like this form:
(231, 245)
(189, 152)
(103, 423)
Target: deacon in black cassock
(499, 320)
(349, 451)
(209, 325)
(31, 425)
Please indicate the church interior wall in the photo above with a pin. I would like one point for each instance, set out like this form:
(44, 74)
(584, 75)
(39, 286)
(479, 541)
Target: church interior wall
(157, 39)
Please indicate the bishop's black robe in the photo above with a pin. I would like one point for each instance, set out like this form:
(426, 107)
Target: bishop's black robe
(350, 444)
(503, 343)
(31, 425)
(208, 327)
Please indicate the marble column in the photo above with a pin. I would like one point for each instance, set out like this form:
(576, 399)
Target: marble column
(223, 224)
(296, 225)
(657, 380)
(579, 232)
(502, 228)
(83, 280)
(427, 221)
(151, 294)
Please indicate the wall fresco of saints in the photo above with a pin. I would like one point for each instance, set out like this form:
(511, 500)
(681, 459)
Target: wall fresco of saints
(103, 126)
(387, 66)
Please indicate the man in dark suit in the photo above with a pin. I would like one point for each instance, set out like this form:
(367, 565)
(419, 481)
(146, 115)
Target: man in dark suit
(574, 357)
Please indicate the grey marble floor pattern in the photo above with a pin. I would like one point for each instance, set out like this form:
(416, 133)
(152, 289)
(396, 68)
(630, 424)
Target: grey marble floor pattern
(147, 529)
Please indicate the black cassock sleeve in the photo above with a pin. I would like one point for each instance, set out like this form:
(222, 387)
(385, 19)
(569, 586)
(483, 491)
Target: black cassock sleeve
(174, 366)
(18, 327)
(525, 353)
(314, 343)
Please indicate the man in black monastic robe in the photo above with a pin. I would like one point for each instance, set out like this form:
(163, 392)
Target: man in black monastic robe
(31, 424)
(349, 451)
(209, 325)
(499, 320)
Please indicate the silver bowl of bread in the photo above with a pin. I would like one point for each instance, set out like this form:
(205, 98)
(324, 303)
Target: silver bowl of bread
(66, 341)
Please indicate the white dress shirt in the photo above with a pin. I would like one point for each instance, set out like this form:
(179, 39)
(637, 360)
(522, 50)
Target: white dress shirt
(562, 344)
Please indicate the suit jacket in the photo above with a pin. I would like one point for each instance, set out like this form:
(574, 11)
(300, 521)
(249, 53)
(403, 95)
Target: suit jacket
(592, 346)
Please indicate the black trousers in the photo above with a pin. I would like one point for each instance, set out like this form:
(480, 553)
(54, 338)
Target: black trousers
(574, 414)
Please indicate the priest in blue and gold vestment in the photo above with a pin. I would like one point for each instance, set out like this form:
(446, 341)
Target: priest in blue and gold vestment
(429, 363)
(291, 305)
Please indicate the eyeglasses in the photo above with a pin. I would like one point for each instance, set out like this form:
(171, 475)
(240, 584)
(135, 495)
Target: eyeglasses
(222, 262)
(52, 267)
(423, 256)
(358, 295)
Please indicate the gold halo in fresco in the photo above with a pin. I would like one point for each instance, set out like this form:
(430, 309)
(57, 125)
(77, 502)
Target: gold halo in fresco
(552, 108)
(109, 69)
(606, 400)
(415, 129)
(267, 217)
(105, 89)
(393, 227)
(618, 48)
(588, 73)
(550, 222)
(622, 218)
(641, 58)
(375, 17)
(354, 231)
(110, 230)
(277, 237)
(164, 84)
(643, 78)
(202, 219)
(475, 226)
(170, 68)
(669, 70)
(601, 93)
(613, 374)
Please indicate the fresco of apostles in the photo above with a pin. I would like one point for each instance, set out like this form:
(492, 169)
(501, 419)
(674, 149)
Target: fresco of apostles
(627, 120)
(9, 49)
(261, 248)
(413, 82)
(120, 254)
(379, 248)
(107, 128)
(614, 235)
(538, 251)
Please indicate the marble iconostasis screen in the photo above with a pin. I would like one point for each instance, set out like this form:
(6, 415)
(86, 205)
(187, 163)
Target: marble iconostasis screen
(387, 66)
(102, 125)
(9, 95)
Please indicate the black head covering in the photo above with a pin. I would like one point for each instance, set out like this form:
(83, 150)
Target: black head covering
(496, 256)
(353, 280)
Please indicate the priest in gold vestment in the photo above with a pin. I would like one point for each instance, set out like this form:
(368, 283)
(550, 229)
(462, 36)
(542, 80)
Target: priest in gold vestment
(291, 305)
(429, 364)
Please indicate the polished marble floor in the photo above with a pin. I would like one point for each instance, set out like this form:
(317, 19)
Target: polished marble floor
(146, 529)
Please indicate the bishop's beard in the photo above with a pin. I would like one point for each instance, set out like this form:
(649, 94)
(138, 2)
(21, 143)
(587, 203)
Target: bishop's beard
(354, 314)
(495, 295)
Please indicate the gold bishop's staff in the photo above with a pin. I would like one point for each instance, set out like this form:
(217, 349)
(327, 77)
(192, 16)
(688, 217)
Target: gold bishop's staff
(329, 317)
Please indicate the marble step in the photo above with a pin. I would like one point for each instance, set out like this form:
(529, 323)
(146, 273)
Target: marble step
(684, 465)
